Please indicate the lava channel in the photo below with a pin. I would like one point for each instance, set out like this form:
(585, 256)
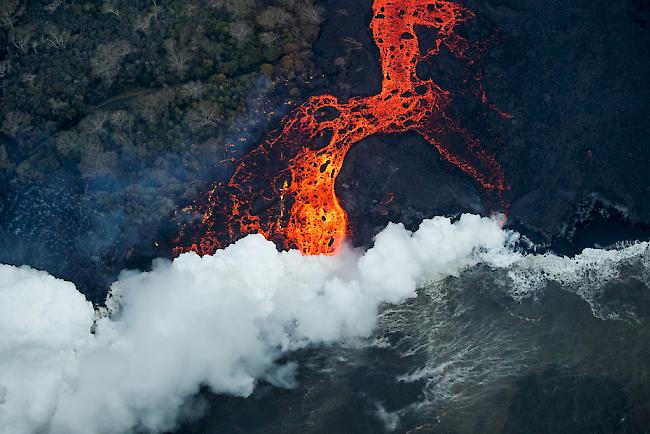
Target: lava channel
(284, 189)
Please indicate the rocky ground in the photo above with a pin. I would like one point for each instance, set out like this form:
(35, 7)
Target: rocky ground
(574, 77)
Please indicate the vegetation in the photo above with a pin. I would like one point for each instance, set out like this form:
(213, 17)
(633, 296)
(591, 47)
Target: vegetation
(94, 82)
(135, 89)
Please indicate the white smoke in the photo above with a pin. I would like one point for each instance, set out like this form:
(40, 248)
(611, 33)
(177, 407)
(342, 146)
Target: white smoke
(221, 321)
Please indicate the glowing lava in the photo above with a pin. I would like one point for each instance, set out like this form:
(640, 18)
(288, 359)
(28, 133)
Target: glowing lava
(284, 189)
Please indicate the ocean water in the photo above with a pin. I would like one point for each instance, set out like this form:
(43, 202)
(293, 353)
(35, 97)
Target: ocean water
(495, 339)
(546, 345)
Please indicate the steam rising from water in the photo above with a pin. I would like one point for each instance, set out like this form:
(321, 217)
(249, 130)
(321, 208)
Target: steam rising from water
(222, 321)
(219, 321)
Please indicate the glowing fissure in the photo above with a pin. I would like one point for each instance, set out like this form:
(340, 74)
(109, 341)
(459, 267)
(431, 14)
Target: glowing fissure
(284, 189)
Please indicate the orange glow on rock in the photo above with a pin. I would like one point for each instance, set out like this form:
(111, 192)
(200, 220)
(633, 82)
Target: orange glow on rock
(284, 189)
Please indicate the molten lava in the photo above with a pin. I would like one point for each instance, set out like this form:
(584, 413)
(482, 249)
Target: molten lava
(284, 189)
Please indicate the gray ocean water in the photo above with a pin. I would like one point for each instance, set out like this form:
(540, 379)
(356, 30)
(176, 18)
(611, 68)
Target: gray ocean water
(550, 345)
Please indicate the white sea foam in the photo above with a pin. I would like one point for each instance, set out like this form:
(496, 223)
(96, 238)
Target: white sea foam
(585, 274)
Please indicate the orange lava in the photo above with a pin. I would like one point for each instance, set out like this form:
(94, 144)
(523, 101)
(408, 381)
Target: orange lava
(284, 189)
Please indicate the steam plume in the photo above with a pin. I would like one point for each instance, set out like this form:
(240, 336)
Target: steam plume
(225, 320)
(221, 321)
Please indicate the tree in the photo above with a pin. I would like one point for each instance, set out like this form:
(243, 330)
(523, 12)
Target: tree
(309, 13)
(53, 6)
(21, 38)
(151, 106)
(192, 90)
(4, 159)
(273, 18)
(205, 114)
(10, 10)
(96, 162)
(178, 57)
(14, 122)
(241, 31)
(239, 8)
(268, 38)
(55, 37)
(95, 122)
(142, 23)
(67, 143)
(4, 69)
(121, 119)
(107, 60)
(108, 7)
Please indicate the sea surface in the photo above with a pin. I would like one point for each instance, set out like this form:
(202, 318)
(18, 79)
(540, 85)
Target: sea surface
(549, 345)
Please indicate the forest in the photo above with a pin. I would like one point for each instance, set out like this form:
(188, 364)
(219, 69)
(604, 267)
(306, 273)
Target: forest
(120, 87)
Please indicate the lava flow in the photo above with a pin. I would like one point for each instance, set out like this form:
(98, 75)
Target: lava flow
(284, 189)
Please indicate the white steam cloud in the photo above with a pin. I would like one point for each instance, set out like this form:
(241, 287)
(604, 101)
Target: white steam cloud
(220, 321)
(223, 321)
